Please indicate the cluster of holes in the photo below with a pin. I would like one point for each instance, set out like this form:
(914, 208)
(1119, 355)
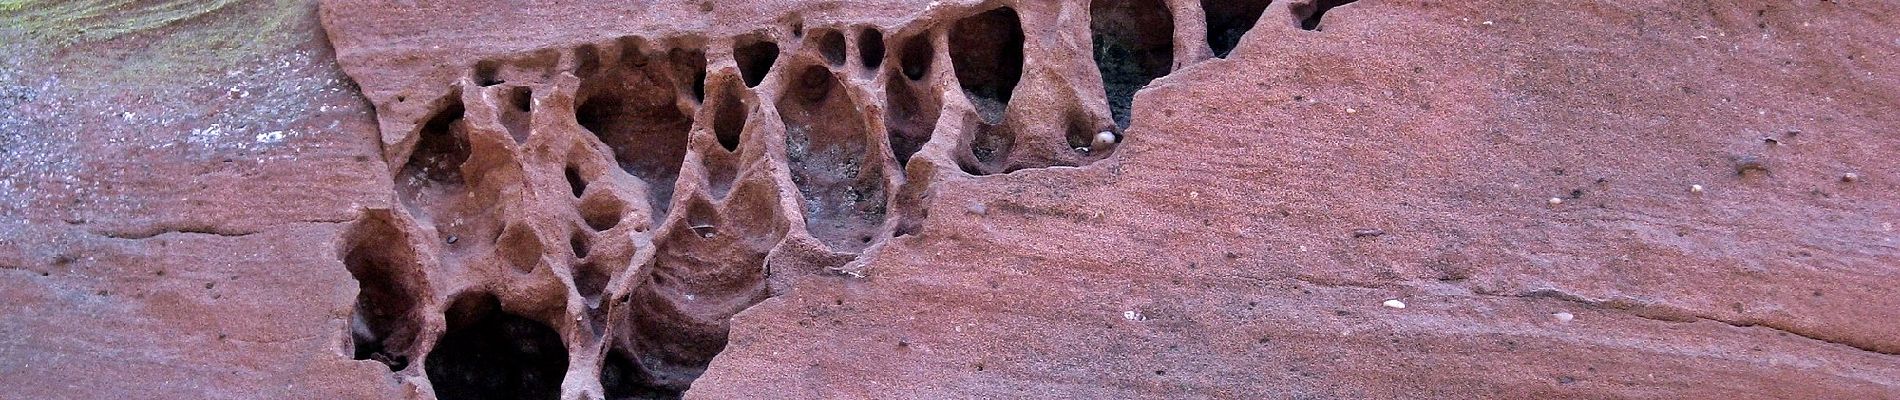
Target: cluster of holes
(642, 104)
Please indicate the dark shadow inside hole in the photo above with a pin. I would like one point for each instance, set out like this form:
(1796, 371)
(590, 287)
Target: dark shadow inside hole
(989, 149)
(488, 353)
(729, 116)
(440, 150)
(486, 74)
(574, 181)
(1310, 13)
(689, 69)
(517, 117)
(755, 57)
(870, 47)
(827, 147)
(633, 109)
(625, 380)
(578, 243)
(384, 323)
(910, 117)
(831, 45)
(1134, 44)
(986, 51)
(915, 57)
(1229, 20)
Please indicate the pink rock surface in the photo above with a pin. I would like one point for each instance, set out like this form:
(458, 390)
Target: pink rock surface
(499, 199)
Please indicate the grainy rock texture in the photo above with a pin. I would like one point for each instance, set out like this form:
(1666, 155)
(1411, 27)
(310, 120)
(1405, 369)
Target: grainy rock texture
(949, 199)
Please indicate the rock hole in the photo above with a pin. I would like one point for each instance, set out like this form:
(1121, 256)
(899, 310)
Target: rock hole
(520, 247)
(383, 325)
(1081, 133)
(485, 74)
(578, 243)
(755, 56)
(915, 57)
(590, 280)
(587, 60)
(623, 379)
(910, 115)
(1229, 20)
(689, 69)
(870, 48)
(601, 212)
(574, 181)
(517, 117)
(634, 109)
(989, 147)
(729, 116)
(1134, 44)
(831, 45)
(678, 316)
(488, 353)
(826, 146)
(1311, 12)
(435, 166)
(986, 51)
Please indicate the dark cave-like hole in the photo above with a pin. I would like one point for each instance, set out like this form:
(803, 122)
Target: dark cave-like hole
(441, 148)
(1310, 13)
(1229, 20)
(870, 47)
(910, 118)
(986, 51)
(831, 45)
(827, 144)
(574, 181)
(623, 379)
(486, 74)
(915, 57)
(633, 109)
(755, 57)
(578, 243)
(383, 324)
(517, 117)
(488, 353)
(729, 115)
(1134, 44)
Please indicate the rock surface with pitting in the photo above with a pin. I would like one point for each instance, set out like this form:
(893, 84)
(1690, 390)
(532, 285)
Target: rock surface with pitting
(910, 199)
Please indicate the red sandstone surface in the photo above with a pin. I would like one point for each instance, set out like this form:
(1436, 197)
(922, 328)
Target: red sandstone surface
(949, 199)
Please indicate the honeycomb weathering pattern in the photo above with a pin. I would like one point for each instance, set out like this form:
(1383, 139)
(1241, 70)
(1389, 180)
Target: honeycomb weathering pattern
(585, 219)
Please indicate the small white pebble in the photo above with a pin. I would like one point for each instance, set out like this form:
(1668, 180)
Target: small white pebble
(1131, 315)
(1850, 177)
(1695, 189)
(1487, 22)
(1394, 303)
(1556, 201)
(1104, 139)
(1562, 316)
(1350, 110)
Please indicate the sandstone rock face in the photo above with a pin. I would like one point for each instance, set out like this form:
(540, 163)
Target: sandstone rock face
(954, 199)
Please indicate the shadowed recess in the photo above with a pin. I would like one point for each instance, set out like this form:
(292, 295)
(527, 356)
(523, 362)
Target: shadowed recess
(871, 47)
(633, 107)
(755, 56)
(383, 325)
(986, 50)
(828, 147)
(488, 353)
(1134, 44)
(1229, 20)
(1310, 13)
